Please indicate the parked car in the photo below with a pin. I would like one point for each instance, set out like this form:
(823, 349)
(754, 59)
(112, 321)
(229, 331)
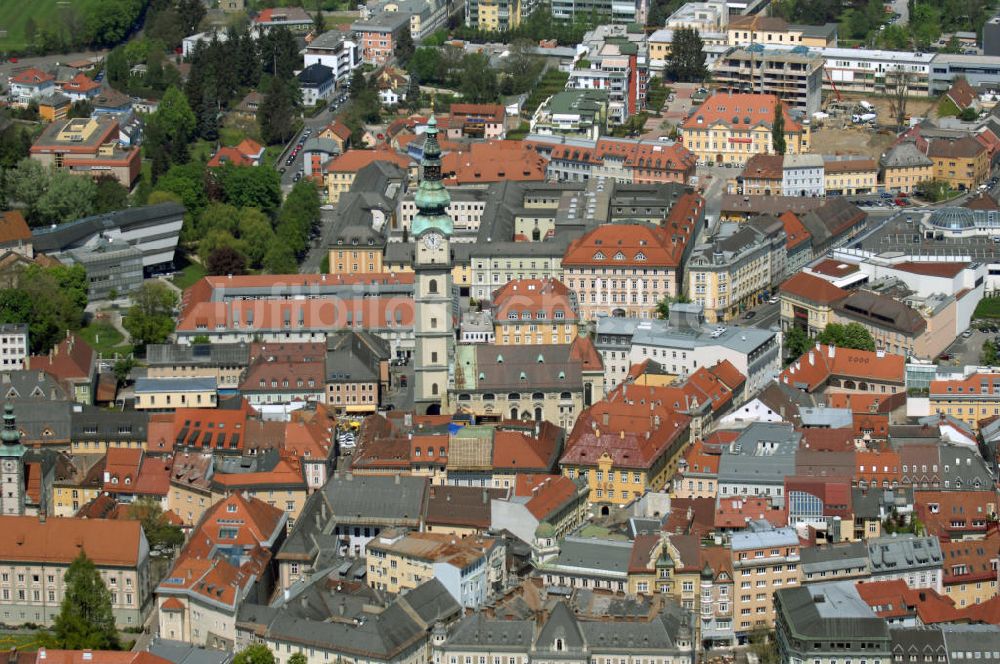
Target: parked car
(750, 314)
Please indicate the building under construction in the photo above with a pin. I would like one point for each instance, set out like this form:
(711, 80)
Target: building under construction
(794, 76)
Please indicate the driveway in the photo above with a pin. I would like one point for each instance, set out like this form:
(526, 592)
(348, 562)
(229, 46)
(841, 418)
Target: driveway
(967, 351)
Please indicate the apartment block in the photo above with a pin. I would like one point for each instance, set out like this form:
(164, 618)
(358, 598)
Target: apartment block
(469, 567)
(765, 559)
(13, 346)
(88, 146)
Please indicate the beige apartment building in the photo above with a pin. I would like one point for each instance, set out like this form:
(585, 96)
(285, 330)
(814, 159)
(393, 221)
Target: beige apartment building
(35, 554)
(399, 560)
(904, 166)
(775, 31)
(765, 559)
(849, 176)
(165, 394)
(224, 362)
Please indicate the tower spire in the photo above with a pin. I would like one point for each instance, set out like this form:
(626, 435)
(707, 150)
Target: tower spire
(432, 199)
(10, 436)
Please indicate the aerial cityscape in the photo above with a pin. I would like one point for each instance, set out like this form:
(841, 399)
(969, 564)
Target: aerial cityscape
(499, 331)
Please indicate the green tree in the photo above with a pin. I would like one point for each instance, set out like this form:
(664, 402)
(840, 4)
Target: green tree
(174, 115)
(989, 356)
(426, 64)
(216, 239)
(25, 185)
(150, 320)
(218, 217)
(778, 129)
(851, 335)
(247, 186)
(159, 531)
(109, 195)
(50, 300)
(257, 234)
(186, 182)
(85, 619)
(66, 198)
(763, 645)
(796, 342)
(277, 113)
(297, 658)
(404, 47)
(478, 79)
(280, 259)
(256, 654)
(686, 61)
(15, 145)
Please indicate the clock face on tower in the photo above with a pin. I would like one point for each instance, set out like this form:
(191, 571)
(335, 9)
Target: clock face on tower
(432, 240)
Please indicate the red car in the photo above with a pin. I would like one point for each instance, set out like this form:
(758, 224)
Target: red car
(902, 202)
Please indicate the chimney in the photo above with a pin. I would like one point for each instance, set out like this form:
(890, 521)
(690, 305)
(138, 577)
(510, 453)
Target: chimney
(486, 497)
(812, 358)
(604, 419)
(832, 350)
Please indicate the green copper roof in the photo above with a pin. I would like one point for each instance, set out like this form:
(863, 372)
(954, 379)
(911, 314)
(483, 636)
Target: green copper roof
(432, 198)
(10, 436)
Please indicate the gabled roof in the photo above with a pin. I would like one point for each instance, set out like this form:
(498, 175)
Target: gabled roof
(814, 368)
(13, 227)
(740, 112)
(795, 232)
(636, 246)
(961, 93)
(60, 540)
(813, 289)
(71, 359)
(32, 76)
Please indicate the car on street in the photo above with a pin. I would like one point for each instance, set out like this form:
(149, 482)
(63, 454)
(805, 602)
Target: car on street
(298, 176)
(967, 334)
(773, 300)
(282, 170)
(750, 314)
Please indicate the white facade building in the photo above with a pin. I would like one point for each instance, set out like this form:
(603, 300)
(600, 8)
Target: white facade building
(13, 346)
(802, 175)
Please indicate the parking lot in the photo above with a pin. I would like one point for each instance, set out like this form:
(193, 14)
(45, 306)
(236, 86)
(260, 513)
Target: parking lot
(967, 350)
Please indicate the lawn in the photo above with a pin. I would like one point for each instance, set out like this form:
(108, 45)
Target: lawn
(13, 16)
(190, 275)
(988, 307)
(946, 108)
(105, 339)
(25, 639)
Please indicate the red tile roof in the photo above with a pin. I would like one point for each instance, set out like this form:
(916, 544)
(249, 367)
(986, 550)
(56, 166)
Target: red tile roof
(764, 167)
(31, 76)
(817, 365)
(795, 231)
(813, 289)
(749, 111)
(961, 93)
(339, 129)
(327, 313)
(637, 246)
(700, 461)
(736, 513)
(548, 493)
(491, 112)
(970, 561)
(942, 269)
(535, 296)
(521, 450)
(70, 359)
(834, 268)
(956, 514)
(81, 84)
(493, 161)
(629, 426)
(60, 540)
(354, 160)
(895, 599)
(46, 656)
(13, 228)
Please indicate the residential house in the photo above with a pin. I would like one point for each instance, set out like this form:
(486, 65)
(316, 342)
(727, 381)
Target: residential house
(903, 167)
(317, 82)
(30, 85)
(248, 153)
(73, 363)
(765, 554)
(162, 394)
(963, 162)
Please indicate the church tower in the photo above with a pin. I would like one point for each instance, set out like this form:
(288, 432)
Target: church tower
(11, 466)
(434, 326)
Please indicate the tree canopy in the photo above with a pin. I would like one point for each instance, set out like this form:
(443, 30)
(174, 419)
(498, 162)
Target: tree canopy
(686, 61)
(50, 300)
(255, 654)
(85, 619)
(150, 319)
(851, 335)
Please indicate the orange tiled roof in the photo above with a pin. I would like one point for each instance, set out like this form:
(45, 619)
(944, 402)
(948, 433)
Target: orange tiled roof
(353, 161)
(849, 165)
(524, 451)
(700, 461)
(813, 289)
(59, 540)
(738, 512)
(895, 599)
(31, 76)
(971, 386)
(326, 313)
(548, 493)
(795, 231)
(493, 161)
(961, 93)
(70, 359)
(46, 656)
(492, 112)
(615, 246)
(81, 83)
(627, 426)
(956, 514)
(748, 110)
(764, 167)
(814, 368)
(13, 227)
(535, 296)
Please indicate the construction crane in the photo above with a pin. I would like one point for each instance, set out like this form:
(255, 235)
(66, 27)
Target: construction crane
(832, 84)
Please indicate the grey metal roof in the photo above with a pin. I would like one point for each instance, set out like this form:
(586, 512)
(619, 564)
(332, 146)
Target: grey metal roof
(590, 555)
(763, 453)
(904, 155)
(829, 611)
(235, 354)
(978, 642)
(192, 384)
(43, 421)
(901, 553)
(387, 635)
(755, 538)
(28, 384)
(354, 356)
(93, 423)
(179, 652)
(919, 642)
(74, 233)
(828, 418)
(833, 557)
(873, 503)
(964, 468)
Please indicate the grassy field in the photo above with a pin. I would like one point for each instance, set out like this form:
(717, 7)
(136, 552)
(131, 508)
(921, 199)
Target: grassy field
(189, 275)
(105, 339)
(988, 307)
(19, 639)
(14, 15)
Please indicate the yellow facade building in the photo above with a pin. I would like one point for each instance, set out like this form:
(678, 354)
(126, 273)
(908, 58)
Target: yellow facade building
(730, 128)
(903, 167)
(967, 399)
(963, 162)
(850, 177)
(533, 312)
